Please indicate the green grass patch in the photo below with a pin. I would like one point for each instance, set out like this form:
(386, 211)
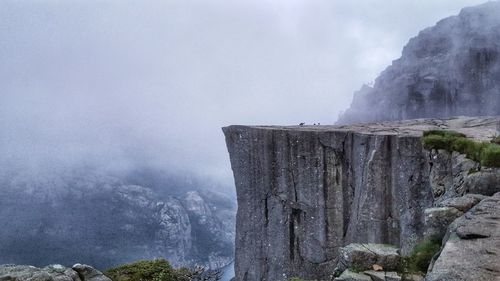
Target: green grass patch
(420, 258)
(491, 156)
(422, 254)
(486, 153)
(444, 133)
(155, 270)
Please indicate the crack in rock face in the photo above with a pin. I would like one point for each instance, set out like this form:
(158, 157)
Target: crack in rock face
(306, 191)
(371, 183)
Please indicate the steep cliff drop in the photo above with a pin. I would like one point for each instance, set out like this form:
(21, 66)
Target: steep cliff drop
(450, 69)
(307, 194)
(305, 191)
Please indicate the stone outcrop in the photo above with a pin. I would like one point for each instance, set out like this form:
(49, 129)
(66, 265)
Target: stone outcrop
(364, 256)
(463, 203)
(88, 273)
(55, 272)
(437, 219)
(306, 191)
(472, 246)
(372, 275)
(383, 276)
(348, 275)
(450, 69)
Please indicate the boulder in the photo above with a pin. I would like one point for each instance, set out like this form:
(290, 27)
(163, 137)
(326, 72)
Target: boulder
(438, 219)
(23, 272)
(88, 273)
(363, 256)
(472, 246)
(55, 272)
(61, 273)
(463, 203)
(483, 182)
(392, 276)
(348, 275)
(413, 277)
(383, 276)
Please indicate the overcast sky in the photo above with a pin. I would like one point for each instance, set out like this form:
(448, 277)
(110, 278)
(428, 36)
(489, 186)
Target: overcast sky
(152, 82)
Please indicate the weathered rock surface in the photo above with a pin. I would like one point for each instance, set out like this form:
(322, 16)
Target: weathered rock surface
(463, 203)
(383, 276)
(472, 247)
(371, 275)
(449, 173)
(348, 275)
(483, 182)
(364, 256)
(452, 175)
(306, 191)
(447, 70)
(55, 272)
(437, 220)
(88, 273)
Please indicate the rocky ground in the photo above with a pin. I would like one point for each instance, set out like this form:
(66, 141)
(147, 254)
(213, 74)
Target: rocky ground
(471, 248)
(78, 272)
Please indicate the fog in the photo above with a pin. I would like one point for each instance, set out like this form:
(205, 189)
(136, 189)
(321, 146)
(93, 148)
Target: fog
(120, 84)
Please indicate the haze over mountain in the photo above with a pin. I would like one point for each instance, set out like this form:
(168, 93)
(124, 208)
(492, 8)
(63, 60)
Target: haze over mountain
(450, 69)
(110, 112)
(124, 82)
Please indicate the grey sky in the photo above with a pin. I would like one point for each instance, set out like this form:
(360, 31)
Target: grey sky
(126, 82)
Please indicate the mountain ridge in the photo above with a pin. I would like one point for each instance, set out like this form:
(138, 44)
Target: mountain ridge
(449, 69)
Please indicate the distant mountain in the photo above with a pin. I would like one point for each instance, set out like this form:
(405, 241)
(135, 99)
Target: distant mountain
(450, 69)
(107, 220)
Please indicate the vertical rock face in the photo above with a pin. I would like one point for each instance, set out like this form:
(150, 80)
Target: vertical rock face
(305, 191)
(304, 194)
(448, 70)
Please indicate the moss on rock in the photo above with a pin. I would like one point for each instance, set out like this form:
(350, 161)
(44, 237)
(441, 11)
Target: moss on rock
(155, 270)
(486, 153)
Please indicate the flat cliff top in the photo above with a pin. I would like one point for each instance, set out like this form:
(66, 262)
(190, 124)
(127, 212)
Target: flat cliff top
(481, 128)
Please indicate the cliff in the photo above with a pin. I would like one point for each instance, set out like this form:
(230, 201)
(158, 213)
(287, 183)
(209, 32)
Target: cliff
(305, 191)
(450, 69)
